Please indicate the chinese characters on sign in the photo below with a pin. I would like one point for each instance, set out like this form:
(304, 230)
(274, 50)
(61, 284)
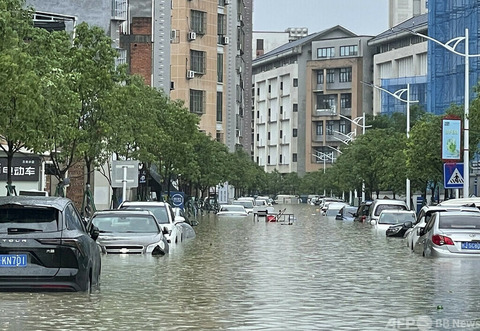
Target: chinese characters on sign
(23, 169)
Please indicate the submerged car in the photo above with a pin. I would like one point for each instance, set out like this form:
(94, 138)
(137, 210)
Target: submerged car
(346, 213)
(411, 235)
(164, 214)
(124, 231)
(245, 202)
(390, 217)
(46, 245)
(232, 211)
(449, 234)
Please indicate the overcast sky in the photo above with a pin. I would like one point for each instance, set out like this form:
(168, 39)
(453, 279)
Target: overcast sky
(362, 17)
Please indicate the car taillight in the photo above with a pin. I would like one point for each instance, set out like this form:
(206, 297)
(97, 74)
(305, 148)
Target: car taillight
(70, 242)
(440, 240)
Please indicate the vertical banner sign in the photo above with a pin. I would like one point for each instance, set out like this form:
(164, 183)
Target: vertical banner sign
(451, 139)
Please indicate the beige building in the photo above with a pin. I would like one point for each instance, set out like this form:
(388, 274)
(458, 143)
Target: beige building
(308, 96)
(402, 10)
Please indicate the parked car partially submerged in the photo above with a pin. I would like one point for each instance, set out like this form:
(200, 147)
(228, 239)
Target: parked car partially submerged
(450, 234)
(164, 214)
(232, 211)
(129, 231)
(46, 245)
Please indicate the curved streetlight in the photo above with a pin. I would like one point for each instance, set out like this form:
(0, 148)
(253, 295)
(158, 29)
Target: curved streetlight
(398, 95)
(451, 46)
(323, 157)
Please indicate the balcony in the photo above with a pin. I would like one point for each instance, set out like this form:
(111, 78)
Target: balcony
(119, 10)
(332, 111)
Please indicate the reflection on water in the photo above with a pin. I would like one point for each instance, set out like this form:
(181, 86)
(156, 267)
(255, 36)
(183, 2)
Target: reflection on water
(317, 274)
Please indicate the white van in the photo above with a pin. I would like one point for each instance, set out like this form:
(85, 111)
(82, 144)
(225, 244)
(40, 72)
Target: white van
(382, 204)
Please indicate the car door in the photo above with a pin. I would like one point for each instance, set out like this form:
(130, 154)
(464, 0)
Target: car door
(90, 253)
(423, 233)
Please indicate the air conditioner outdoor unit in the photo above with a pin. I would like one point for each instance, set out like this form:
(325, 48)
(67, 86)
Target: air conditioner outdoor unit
(190, 74)
(225, 40)
(173, 35)
(192, 35)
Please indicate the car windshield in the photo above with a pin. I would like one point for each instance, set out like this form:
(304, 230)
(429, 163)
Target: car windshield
(459, 222)
(126, 224)
(388, 206)
(160, 212)
(233, 208)
(28, 219)
(246, 204)
(396, 218)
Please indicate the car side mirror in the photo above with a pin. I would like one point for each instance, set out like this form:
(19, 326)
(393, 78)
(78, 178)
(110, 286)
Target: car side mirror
(408, 224)
(420, 231)
(164, 231)
(94, 232)
(179, 219)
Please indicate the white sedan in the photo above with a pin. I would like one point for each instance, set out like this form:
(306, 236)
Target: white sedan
(232, 211)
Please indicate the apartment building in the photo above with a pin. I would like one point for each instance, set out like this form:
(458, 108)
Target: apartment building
(266, 41)
(308, 96)
(400, 60)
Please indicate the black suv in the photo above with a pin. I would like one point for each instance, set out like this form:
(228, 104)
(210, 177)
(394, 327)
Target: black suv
(362, 211)
(45, 245)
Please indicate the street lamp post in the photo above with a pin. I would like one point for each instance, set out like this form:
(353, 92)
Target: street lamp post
(398, 95)
(323, 157)
(356, 121)
(451, 46)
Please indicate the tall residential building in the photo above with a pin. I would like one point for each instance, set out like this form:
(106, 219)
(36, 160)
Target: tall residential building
(308, 93)
(402, 10)
(400, 59)
(207, 61)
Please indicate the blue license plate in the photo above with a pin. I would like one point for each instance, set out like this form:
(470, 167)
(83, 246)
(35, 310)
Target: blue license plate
(471, 245)
(19, 260)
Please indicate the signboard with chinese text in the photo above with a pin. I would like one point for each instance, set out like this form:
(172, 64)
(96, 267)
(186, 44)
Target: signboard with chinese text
(451, 139)
(24, 169)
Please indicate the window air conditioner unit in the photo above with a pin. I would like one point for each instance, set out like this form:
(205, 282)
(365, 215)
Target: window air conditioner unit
(192, 35)
(190, 74)
(225, 40)
(173, 35)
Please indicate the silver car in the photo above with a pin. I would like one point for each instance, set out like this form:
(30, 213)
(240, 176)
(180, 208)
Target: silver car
(164, 214)
(411, 235)
(129, 232)
(450, 233)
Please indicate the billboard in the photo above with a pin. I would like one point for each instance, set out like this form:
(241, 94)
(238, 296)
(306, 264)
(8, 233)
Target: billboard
(451, 139)
(24, 169)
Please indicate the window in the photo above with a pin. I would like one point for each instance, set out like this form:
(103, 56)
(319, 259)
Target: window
(269, 135)
(197, 101)
(320, 77)
(73, 220)
(280, 159)
(219, 106)
(325, 52)
(330, 127)
(345, 75)
(319, 129)
(258, 90)
(294, 157)
(346, 100)
(221, 26)
(198, 21)
(343, 127)
(258, 137)
(197, 61)
(268, 159)
(326, 101)
(295, 107)
(351, 50)
(281, 134)
(295, 82)
(219, 68)
(269, 88)
(281, 85)
(281, 109)
(295, 132)
(331, 76)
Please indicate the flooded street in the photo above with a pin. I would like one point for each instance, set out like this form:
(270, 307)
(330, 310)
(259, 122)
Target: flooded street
(317, 274)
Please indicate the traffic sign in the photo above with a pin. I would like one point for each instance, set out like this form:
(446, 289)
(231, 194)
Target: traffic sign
(453, 175)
